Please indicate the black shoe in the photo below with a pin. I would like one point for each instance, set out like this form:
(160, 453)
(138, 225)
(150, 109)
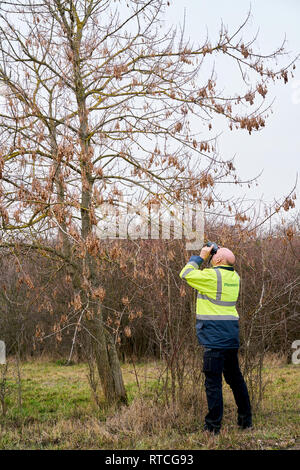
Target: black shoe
(246, 426)
(211, 429)
(244, 422)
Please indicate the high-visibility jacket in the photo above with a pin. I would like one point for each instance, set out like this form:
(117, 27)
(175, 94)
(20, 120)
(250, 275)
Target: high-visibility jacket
(217, 324)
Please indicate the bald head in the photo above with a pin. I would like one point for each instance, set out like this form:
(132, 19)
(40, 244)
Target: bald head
(223, 256)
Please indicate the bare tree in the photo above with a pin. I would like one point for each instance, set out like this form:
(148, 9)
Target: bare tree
(100, 103)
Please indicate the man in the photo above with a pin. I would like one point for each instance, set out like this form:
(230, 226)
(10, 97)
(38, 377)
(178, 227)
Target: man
(217, 329)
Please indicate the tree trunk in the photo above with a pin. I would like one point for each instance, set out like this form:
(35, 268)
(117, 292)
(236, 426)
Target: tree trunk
(104, 348)
(107, 362)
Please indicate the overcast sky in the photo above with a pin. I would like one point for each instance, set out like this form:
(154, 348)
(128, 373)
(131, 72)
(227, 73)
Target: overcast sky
(276, 149)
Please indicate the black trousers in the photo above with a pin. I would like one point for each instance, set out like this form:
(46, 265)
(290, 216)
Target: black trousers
(215, 363)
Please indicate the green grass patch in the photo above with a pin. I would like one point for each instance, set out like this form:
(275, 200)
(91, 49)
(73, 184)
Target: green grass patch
(57, 412)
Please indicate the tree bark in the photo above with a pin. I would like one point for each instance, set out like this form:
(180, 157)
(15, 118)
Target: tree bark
(107, 361)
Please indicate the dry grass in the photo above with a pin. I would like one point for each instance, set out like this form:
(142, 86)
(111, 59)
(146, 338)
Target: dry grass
(58, 413)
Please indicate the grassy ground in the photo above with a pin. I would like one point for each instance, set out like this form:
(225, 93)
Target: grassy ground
(58, 412)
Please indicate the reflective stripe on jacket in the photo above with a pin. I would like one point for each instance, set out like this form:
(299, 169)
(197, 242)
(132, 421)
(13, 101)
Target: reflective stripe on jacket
(217, 288)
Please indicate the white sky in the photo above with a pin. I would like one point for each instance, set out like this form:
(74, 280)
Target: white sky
(276, 149)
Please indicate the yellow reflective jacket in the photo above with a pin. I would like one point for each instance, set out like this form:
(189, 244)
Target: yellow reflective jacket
(217, 288)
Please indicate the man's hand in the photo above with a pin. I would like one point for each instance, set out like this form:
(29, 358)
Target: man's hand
(205, 252)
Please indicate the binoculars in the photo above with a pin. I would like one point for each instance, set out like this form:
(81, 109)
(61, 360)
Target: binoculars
(214, 249)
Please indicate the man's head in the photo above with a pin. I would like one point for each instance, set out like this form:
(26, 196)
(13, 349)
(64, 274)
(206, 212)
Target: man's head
(223, 256)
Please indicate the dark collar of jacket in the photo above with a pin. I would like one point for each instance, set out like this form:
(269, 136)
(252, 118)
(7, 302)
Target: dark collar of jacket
(229, 268)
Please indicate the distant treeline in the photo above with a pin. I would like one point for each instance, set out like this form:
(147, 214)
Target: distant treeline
(145, 303)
